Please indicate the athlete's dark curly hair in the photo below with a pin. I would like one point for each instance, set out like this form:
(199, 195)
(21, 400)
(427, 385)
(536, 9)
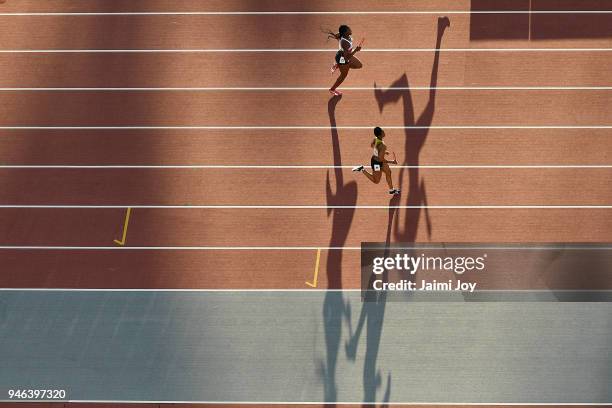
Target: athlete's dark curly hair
(342, 30)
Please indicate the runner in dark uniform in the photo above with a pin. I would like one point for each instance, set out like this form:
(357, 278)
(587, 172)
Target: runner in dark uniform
(378, 162)
(345, 57)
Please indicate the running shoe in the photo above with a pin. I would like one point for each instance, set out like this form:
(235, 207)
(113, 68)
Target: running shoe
(394, 191)
(358, 168)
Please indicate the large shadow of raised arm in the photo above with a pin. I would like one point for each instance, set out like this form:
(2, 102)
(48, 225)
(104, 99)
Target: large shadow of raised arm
(416, 132)
(372, 317)
(373, 307)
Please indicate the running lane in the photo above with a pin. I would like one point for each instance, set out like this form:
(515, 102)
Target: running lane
(309, 346)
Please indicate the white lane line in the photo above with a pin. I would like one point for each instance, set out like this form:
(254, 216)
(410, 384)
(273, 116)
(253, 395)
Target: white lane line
(190, 290)
(302, 207)
(449, 127)
(239, 290)
(521, 404)
(298, 13)
(269, 248)
(325, 89)
(263, 166)
(286, 50)
(169, 248)
(294, 403)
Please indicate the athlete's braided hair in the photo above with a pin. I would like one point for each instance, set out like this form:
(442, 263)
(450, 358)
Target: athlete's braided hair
(342, 30)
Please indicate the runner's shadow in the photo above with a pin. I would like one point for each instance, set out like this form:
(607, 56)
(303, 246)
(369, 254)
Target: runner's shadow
(374, 304)
(335, 307)
(416, 131)
(372, 317)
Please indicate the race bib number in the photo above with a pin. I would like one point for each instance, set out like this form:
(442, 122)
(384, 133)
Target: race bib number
(342, 60)
(377, 167)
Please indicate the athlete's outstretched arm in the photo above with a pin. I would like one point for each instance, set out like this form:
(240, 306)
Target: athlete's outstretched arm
(394, 161)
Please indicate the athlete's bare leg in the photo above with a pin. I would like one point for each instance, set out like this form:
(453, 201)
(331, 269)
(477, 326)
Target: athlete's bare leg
(387, 172)
(374, 177)
(355, 63)
(344, 70)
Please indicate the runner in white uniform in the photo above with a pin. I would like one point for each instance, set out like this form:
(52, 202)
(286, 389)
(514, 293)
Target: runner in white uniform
(345, 57)
(340, 60)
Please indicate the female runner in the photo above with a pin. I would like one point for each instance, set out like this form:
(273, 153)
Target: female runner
(379, 163)
(345, 57)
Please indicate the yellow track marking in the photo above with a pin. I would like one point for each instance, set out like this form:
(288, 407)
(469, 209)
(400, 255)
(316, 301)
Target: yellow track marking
(125, 227)
(316, 272)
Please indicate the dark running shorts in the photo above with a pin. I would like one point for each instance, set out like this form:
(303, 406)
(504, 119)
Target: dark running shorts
(340, 57)
(376, 165)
